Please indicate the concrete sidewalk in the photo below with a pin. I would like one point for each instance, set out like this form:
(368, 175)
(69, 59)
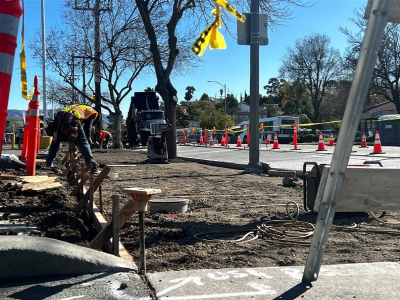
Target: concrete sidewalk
(350, 281)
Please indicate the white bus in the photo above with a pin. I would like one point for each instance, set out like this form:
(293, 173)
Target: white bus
(282, 125)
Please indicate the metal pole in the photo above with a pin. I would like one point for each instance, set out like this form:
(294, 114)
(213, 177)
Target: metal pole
(142, 249)
(225, 103)
(44, 64)
(358, 92)
(254, 151)
(97, 78)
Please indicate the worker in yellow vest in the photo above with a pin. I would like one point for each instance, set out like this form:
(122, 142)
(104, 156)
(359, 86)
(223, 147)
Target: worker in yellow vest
(74, 124)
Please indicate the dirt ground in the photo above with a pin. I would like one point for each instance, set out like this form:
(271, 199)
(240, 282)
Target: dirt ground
(234, 220)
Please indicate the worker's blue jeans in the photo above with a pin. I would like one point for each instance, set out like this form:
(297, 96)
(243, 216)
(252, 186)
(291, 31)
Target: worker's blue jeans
(105, 142)
(81, 141)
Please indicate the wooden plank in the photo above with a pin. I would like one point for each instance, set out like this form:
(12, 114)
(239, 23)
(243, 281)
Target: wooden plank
(99, 223)
(40, 186)
(9, 177)
(82, 202)
(115, 224)
(67, 170)
(103, 175)
(365, 189)
(105, 235)
(77, 188)
(91, 198)
(33, 179)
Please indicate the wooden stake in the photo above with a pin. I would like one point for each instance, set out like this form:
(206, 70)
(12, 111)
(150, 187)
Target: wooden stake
(91, 194)
(115, 225)
(82, 177)
(142, 249)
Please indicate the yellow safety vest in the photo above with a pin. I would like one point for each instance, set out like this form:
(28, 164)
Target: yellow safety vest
(81, 111)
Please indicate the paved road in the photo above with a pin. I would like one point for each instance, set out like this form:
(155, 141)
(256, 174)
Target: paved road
(285, 158)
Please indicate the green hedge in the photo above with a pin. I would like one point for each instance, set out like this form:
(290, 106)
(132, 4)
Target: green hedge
(307, 138)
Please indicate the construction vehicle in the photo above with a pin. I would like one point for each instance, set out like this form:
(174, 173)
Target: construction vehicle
(144, 118)
(157, 147)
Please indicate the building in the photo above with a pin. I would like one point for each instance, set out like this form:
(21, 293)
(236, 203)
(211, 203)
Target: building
(243, 112)
(369, 117)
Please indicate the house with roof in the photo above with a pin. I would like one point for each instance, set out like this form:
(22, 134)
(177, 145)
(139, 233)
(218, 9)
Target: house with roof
(370, 116)
(384, 118)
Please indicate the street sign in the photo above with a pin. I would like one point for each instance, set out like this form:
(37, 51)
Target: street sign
(394, 13)
(243, 30)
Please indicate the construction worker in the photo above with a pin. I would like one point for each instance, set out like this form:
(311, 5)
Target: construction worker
(74, 124)
(41, 126)
(105, 137)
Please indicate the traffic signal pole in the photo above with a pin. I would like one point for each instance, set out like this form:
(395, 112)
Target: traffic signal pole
(254, 165)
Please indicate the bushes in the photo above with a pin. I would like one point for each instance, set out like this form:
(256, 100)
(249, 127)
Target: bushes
(307, 138)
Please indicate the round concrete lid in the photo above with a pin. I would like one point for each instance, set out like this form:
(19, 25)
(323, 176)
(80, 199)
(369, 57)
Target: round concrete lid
(143, 191)
(168, 200)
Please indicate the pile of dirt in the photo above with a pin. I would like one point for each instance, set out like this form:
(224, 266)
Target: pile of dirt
(233, 219)
(49, 211)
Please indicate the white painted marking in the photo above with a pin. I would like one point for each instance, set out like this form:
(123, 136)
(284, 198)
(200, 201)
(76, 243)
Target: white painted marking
(262, 290)
(237, 274)
(181, 282)
(218, 276)
(294, 273)
(258, 274)
(74, 297)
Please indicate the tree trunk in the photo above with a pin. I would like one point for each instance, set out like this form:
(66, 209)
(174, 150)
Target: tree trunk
(118, 135)
(168, 94)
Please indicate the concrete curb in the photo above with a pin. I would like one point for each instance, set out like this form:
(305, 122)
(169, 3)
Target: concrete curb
(215, 163)
(26, 256)
(267, 169)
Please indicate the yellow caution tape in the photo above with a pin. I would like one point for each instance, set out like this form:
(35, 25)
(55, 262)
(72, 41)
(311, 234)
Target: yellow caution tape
(301, 125)
(24, 85)
(211, 36)
(234, 12)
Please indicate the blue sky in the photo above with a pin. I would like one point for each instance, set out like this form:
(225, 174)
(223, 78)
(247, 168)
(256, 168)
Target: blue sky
(230, 66)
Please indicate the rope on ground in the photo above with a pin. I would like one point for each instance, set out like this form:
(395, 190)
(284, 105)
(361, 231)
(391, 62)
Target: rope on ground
(286, 232)
(376, 218)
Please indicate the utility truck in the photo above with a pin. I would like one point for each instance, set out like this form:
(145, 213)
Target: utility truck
(144, 118)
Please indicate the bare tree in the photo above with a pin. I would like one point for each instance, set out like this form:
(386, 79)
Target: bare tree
(170, 43)
(386, 75)
(313, 61)
(123, 54)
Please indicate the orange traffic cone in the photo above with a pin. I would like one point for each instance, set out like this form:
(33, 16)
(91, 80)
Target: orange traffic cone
(223, 141)
(331, 141)
(268, 142)
(377, 144)
(201, 141)
(295, 136)
(239, 142)
(321, 145)
(364, 141)
(276, 144)
(210, 138)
